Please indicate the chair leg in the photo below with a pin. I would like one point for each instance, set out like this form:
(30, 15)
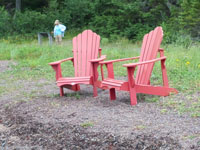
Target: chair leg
(95, 94)
(112, 94)
(77, 87)
(133, 96)
(61, 91)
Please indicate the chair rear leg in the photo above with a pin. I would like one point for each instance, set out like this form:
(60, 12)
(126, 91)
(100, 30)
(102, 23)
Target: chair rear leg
(112, 94)
(61, 91)
(95, 94)
(77, 87)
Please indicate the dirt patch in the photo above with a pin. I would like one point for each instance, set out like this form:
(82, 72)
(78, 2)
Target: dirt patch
(36, 117)
(28, 133)
(5, 65)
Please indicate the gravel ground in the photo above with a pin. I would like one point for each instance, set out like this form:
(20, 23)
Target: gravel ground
(33, 116)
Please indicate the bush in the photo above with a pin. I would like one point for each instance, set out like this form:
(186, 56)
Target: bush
(5, 25)
(29, 22)
(136, 32)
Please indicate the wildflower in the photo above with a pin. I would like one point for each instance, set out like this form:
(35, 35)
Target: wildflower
(187, 63)
(177, 60)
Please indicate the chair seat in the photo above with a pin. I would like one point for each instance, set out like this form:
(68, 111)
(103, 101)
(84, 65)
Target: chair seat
(73, 81)
(112, 83)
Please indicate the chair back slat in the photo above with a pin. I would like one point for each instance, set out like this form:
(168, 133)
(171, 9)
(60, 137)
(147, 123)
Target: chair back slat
(151, 44)
(75, 52)
(89, 50)
(79, 69)
(84, 53)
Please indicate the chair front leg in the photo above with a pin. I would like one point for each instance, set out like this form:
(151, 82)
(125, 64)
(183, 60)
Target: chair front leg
(61, 91)
(95, 77)
(164, 74)
(112, 91)
(163, 68)
(57, 69)
(131, 83)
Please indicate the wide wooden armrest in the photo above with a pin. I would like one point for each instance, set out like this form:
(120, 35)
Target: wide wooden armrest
(144, 62)
(118, 60)
(60, 61)
(98, 59)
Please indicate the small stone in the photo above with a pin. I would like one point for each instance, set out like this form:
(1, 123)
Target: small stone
(3, 128)
(14, 139)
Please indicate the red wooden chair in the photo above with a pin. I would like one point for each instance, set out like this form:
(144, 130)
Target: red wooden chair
(85, 61)
(141, 84)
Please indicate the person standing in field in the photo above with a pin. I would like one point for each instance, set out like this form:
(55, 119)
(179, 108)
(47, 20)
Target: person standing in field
(59, 30)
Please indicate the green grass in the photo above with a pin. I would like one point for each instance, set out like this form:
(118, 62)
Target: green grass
(183, 66)
(87, 124)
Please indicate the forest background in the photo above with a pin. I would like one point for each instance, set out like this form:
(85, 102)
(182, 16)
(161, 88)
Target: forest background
(111, 19)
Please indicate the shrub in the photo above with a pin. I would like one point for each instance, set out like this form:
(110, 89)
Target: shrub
(5, 25)
(29, 22)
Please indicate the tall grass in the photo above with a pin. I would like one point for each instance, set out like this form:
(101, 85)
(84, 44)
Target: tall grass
(183, 64)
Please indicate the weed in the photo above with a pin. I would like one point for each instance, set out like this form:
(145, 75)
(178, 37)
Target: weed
(6, 106)
(87, 124)
(196, 114)
(2, 90)
(54, 104)
(152, 99)
(163, 111)
(76, 95)
(140, 127)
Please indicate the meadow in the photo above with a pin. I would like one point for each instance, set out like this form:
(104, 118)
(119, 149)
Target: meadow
(183, 67)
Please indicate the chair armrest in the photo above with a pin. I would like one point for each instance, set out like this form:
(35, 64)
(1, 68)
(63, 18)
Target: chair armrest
(57, 66)
(95, 64)
(98, 59)
(60, 61)
(160, 49)
(144, 62)
(118, 60)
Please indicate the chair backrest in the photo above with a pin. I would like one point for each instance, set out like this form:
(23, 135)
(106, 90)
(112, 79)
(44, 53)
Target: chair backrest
(85, 47)
(151, 44)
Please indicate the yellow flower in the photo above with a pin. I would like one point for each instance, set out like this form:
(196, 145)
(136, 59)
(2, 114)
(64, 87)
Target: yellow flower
(177, 60)
(187, 63)
(199, 66)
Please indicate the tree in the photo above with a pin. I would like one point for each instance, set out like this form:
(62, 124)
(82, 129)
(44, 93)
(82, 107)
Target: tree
(189, 17)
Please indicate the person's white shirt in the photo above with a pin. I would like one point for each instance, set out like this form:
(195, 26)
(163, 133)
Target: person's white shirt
(62, 28)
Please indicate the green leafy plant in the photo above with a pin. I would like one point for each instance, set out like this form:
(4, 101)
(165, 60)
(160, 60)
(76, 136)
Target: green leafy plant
(87, 124)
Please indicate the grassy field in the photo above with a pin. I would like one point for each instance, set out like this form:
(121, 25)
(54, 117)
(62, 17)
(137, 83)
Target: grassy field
(183, 67)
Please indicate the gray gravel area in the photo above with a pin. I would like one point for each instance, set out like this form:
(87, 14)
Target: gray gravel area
(35, 115)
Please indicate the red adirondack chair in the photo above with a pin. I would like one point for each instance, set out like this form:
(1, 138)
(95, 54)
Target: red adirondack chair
(141, 84)
(85, 61)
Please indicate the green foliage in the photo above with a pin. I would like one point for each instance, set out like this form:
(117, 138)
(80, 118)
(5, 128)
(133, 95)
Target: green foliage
(80, 12)
(189, 17)
(109, 18)
(137, 31)
(128, 19)
(5, 19)
(29, 22)
(87, 124)
(5, 51)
